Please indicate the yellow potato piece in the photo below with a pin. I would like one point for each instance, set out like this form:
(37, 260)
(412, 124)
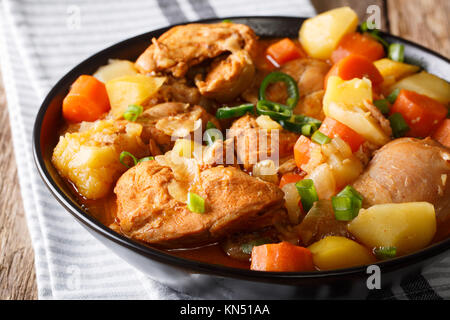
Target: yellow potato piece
(339, 252)
(398, 70)
(320, 35)
(115, 69)
(351, 92)
(90, 161)
(126, 90)
(426, 84)
(406, 226)
(345, 101)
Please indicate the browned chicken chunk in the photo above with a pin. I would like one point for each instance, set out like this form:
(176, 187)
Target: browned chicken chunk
(249, 149)
(172, 119)
(234, 202)
(408, 170)
(230, 45)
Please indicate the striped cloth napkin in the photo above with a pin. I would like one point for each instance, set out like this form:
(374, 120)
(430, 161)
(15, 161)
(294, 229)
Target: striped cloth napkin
(39, 42)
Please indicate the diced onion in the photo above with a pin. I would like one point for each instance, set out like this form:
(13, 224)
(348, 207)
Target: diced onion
(266, 170)
(324, 181)
(292, 199)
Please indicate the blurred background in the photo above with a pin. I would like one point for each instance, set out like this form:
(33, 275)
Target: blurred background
(423, 21)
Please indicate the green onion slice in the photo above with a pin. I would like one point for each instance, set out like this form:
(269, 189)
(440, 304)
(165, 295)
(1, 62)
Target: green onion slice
(276, 111)
(383, 253)
(393, 96)
(301, 124)
(398, 125)
(291, 86)
(382, 105)
(195, 203)
(307, 192)
(346, 204)
(125, 154)
(146, 159)
(210, 125)
(397, 52)
(320, 138)
(248, 247)
(133, 112)
(234, 112)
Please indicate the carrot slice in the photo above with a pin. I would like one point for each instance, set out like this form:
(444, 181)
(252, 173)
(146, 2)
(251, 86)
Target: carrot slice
(422, 114)
(281, 257)
(87, 100)
(442, 133)
(290, 177)
(332, 128)
(284, 50)
(359, 44)
(355, 66)
(302, 150)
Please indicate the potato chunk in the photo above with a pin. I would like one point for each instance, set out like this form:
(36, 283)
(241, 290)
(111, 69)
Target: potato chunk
(115, 69)
(135, 89)
(345, 101)
(406, 226)
(320, 35)
(426, 84)
(90, 158)
(339, 252)
(397, 70)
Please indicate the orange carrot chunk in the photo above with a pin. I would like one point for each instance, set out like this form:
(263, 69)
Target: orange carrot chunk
(359, 44)
(333, 128)
(290, 177)
(302, 150)
(421, 113)
(442, 133)
(87, 100)
(281, 257)
(284, 50)
(355, 66)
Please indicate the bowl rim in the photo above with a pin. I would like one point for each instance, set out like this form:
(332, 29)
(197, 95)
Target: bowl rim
(197, 266)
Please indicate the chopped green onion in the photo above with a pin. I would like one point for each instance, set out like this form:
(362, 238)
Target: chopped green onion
(195, 203)
(291, 86)
(393, 96)
(125, 154)
(227, 21)
(364, 27)
(375, 34)
(346, 204)
(248, 247)
(320, 138)
(343, 208)
(301, 124)
(276, 111)
(382, 105)
(397, 52)
(383, 253)
(234, 112)
(210, 125)
(133, 112)
(398, 125)
(307, 192)
(146, 159)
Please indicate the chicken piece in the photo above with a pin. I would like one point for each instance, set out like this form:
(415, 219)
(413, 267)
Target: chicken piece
(320, 222)
(309, 74)
(231, 45)
(253, 144)
(408, 170)
(234, 202)
(172, 119)
(89, 156)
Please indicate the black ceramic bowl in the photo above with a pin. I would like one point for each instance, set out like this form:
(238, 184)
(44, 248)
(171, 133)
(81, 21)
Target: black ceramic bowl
(209, 280)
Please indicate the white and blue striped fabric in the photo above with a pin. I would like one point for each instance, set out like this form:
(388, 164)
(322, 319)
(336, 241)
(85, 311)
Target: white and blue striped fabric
(40, 40)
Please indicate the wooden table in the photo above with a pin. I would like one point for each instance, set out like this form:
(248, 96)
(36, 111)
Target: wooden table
(422, 21)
